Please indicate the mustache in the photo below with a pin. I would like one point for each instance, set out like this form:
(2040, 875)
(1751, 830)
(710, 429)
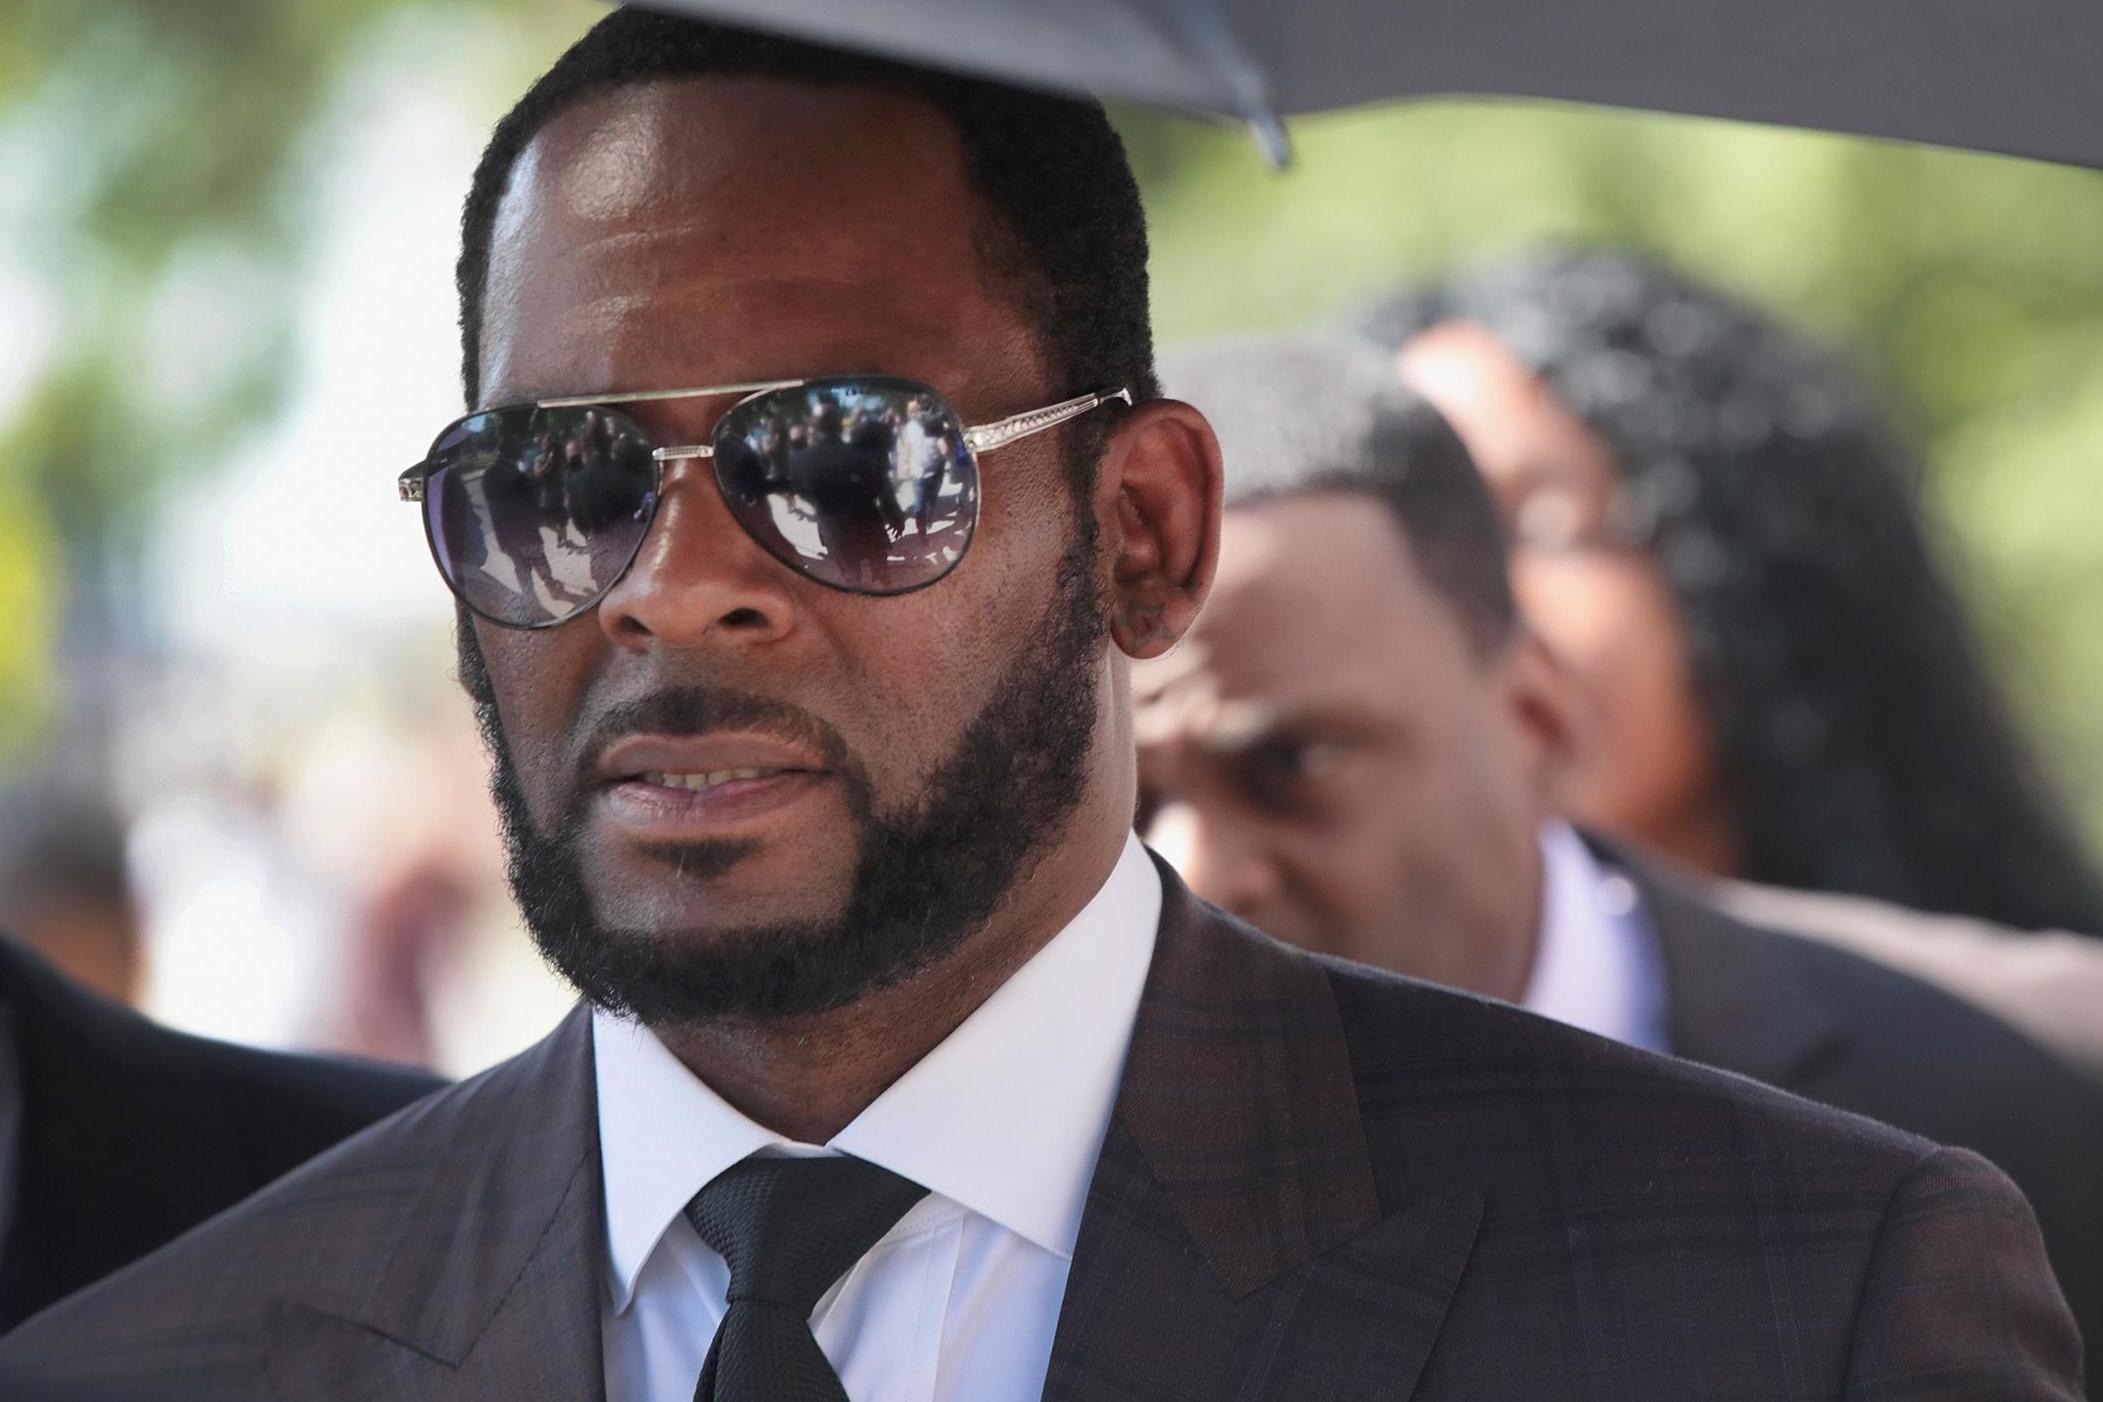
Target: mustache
(697, 710)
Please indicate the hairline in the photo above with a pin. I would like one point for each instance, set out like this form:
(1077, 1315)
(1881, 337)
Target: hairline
(1490, 640)
(1007, 267)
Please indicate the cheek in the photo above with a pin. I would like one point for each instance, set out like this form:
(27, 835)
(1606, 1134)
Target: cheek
(1460, 819)
(914, 672)
(1613, 622)
(538, 679)
(1351, 860)
(903, 677)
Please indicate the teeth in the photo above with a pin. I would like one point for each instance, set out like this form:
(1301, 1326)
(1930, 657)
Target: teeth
(706, 781)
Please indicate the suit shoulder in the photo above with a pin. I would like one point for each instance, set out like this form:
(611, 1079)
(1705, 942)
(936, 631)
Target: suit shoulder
(335, 1218)
(302, 1096)
(284, 1107)
(277, 1110)
(1449, 1077)
(2047, 983)
(1919, 1055)
(1893, 1004)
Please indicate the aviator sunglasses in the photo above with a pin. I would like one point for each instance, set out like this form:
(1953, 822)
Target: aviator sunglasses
(863, 483)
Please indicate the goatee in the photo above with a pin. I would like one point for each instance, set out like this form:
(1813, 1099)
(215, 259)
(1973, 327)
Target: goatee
(925, 877)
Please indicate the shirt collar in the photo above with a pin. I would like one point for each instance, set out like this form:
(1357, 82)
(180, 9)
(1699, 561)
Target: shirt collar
(955, 1122)
(1595, 963)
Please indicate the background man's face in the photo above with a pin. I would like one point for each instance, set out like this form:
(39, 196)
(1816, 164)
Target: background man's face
(1329, 757)
(728, 230)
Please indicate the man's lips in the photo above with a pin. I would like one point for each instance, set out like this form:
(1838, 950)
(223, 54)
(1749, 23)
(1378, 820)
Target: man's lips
(688, 761)
(669, 789)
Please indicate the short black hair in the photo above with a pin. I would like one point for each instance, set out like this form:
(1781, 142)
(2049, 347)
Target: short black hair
(1065, 229)
(1304, 415)
(1856, 721)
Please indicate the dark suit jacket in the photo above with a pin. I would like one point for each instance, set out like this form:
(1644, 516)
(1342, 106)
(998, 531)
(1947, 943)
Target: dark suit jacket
(131, 1134)
(1320, 1182)
(1843, 1030)
(2047, 984)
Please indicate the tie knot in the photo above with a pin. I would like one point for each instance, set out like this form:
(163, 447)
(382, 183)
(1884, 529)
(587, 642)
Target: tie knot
(790, 1227)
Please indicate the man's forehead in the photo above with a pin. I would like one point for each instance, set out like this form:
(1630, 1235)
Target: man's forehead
(686, 133)
(1323, 560)
(739, 208)
(1316, 600)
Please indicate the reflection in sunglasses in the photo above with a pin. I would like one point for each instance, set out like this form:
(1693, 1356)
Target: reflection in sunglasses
(866, 483)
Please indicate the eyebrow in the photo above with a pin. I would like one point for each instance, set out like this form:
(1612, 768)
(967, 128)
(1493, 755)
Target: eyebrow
(1267, 723)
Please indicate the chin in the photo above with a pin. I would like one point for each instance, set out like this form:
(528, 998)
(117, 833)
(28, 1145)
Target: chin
(717, 911)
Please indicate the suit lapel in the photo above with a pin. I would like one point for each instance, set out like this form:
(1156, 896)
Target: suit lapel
(491, 1288)
(1235, 1244)
(1732, 1001)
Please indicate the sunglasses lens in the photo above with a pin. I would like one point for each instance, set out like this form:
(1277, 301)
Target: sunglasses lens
(862, 484)
(533, 514)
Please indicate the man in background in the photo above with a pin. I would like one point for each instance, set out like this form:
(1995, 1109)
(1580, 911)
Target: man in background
(1361, 748)
(117, 1135)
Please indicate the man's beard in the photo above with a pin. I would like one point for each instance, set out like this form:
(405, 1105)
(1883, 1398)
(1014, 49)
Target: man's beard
(925, 878)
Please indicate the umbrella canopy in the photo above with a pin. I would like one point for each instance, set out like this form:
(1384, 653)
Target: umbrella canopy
(2019, 77)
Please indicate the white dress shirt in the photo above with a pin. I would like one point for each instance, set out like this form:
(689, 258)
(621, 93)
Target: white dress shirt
(1002, 1123)
(1596, 964)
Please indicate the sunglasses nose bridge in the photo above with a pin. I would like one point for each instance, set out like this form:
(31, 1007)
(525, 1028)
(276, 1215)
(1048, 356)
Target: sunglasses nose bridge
(697, 572)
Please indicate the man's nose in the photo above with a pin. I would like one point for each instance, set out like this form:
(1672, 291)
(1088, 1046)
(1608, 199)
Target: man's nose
(1219, 860)
(699, 578)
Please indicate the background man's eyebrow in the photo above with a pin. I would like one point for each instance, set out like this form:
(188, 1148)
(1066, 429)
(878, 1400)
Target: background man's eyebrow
(1324, 723)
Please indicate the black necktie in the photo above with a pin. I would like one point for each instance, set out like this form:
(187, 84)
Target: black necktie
(789, 1228)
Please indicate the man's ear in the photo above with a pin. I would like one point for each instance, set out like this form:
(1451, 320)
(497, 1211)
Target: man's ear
(1157, 502)
(1553, 725)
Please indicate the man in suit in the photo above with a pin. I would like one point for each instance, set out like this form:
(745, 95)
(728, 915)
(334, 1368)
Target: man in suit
(905, 1072)
(116, 1135)
(1361, 748)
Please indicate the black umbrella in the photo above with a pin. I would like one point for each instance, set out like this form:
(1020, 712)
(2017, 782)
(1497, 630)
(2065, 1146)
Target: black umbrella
(2021, 77)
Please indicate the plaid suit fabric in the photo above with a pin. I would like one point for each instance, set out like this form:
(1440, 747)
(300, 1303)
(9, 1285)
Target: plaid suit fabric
(1320, 1183)
(1385, 1190)
(1826, 1024)
(1656, 1230)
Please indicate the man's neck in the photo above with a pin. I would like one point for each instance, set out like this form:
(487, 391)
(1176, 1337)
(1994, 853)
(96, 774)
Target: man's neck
(1519, 973)
(807, 1078)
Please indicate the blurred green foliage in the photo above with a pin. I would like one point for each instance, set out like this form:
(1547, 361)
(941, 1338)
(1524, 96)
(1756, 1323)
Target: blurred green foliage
(148, 147)
(159, 161)
(159, 158)
(29, 604)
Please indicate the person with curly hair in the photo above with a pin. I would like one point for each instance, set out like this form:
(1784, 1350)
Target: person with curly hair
(1718, 530)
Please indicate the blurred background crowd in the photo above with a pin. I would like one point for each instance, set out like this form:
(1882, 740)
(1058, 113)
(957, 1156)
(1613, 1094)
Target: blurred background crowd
(239, 788)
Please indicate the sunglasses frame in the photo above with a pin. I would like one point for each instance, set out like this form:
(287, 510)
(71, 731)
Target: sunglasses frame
(977, 438)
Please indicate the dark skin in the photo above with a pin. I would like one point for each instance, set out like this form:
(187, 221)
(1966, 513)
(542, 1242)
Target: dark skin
(1607, 612)
(1330, 755)
(646, 242)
